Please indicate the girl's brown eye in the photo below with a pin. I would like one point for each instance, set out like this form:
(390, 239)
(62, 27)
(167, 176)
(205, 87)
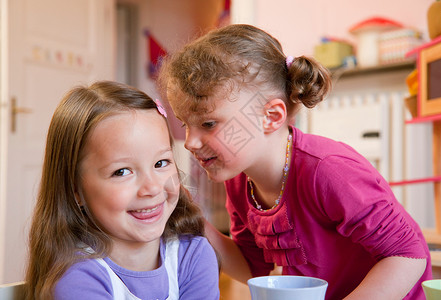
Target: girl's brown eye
(162, 163)
(209, 124)
(121, 172)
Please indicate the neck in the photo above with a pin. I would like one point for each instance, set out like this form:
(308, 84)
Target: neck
(136, 256)
(268, 174)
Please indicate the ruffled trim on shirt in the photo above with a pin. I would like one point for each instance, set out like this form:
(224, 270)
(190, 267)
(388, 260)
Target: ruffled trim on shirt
(276, 235)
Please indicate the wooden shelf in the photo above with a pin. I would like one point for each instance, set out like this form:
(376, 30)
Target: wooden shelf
(408, 64)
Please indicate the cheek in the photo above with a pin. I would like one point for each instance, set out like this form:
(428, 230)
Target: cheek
(171, 187)
(104, 198)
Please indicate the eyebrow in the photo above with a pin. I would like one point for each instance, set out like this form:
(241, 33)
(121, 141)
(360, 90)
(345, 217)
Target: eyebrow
(168, 149)
(197, 118)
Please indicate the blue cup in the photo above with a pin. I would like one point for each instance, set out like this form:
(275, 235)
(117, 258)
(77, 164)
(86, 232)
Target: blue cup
(287, 287)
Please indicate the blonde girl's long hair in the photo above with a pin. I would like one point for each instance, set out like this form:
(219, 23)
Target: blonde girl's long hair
(59, 225)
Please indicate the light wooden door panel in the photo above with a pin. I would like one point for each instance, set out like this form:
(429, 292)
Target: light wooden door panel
(53, 45)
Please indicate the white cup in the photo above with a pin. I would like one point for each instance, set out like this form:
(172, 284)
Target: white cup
(287, 287)
(432, 289)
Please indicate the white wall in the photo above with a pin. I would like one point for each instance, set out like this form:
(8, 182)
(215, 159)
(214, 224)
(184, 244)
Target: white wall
(299, 25)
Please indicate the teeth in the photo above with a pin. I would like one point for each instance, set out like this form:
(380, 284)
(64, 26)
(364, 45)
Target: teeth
(146, 210)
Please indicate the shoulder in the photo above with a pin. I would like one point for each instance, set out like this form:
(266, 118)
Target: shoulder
(324, 167)
(198, 272)
(83, 279)
(321, 147)
(195, 252)
(191, 245)
(320, 157)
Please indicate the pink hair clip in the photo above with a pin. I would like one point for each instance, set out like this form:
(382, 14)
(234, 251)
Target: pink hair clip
(289, 60)
(160, 108)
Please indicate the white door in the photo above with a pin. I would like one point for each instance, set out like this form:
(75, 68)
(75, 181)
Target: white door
(48, 46)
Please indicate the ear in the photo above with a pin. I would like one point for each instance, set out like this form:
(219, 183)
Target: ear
(275, 115)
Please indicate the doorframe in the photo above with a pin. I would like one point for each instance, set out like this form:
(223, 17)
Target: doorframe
(127, 28)
(243, 11)
(4, 121)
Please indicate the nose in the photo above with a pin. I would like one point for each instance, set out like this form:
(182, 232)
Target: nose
(193, 140)
(150, 185)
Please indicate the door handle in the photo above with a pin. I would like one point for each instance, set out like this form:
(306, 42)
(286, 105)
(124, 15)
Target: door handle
(17, 110)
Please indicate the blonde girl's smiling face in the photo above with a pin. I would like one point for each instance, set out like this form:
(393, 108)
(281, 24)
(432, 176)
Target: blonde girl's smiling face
(128, 176)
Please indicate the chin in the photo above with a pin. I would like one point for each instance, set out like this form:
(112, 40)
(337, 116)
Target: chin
(219, 176)
(152, 236)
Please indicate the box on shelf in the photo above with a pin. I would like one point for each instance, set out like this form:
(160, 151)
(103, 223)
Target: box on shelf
(332, 53)
(393, 45)
(368, 32)
(412, 82)
(412, 105)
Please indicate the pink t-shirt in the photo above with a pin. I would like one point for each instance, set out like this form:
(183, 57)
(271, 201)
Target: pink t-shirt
(337, 218)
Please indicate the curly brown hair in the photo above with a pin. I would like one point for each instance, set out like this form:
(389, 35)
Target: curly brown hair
(238, 56)
(59, 225)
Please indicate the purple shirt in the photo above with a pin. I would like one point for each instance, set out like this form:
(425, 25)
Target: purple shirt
(198, 276)
(337, 218)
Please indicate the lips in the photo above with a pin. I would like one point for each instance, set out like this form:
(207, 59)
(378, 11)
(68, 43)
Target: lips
(206, 162)
(147, 214)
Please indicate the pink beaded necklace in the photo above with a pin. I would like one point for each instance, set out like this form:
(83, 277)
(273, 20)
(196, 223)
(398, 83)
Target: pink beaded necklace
(285, 175)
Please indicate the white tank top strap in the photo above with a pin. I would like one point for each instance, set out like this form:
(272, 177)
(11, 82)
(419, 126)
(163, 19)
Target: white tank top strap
(120, 290)
(171, 264)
